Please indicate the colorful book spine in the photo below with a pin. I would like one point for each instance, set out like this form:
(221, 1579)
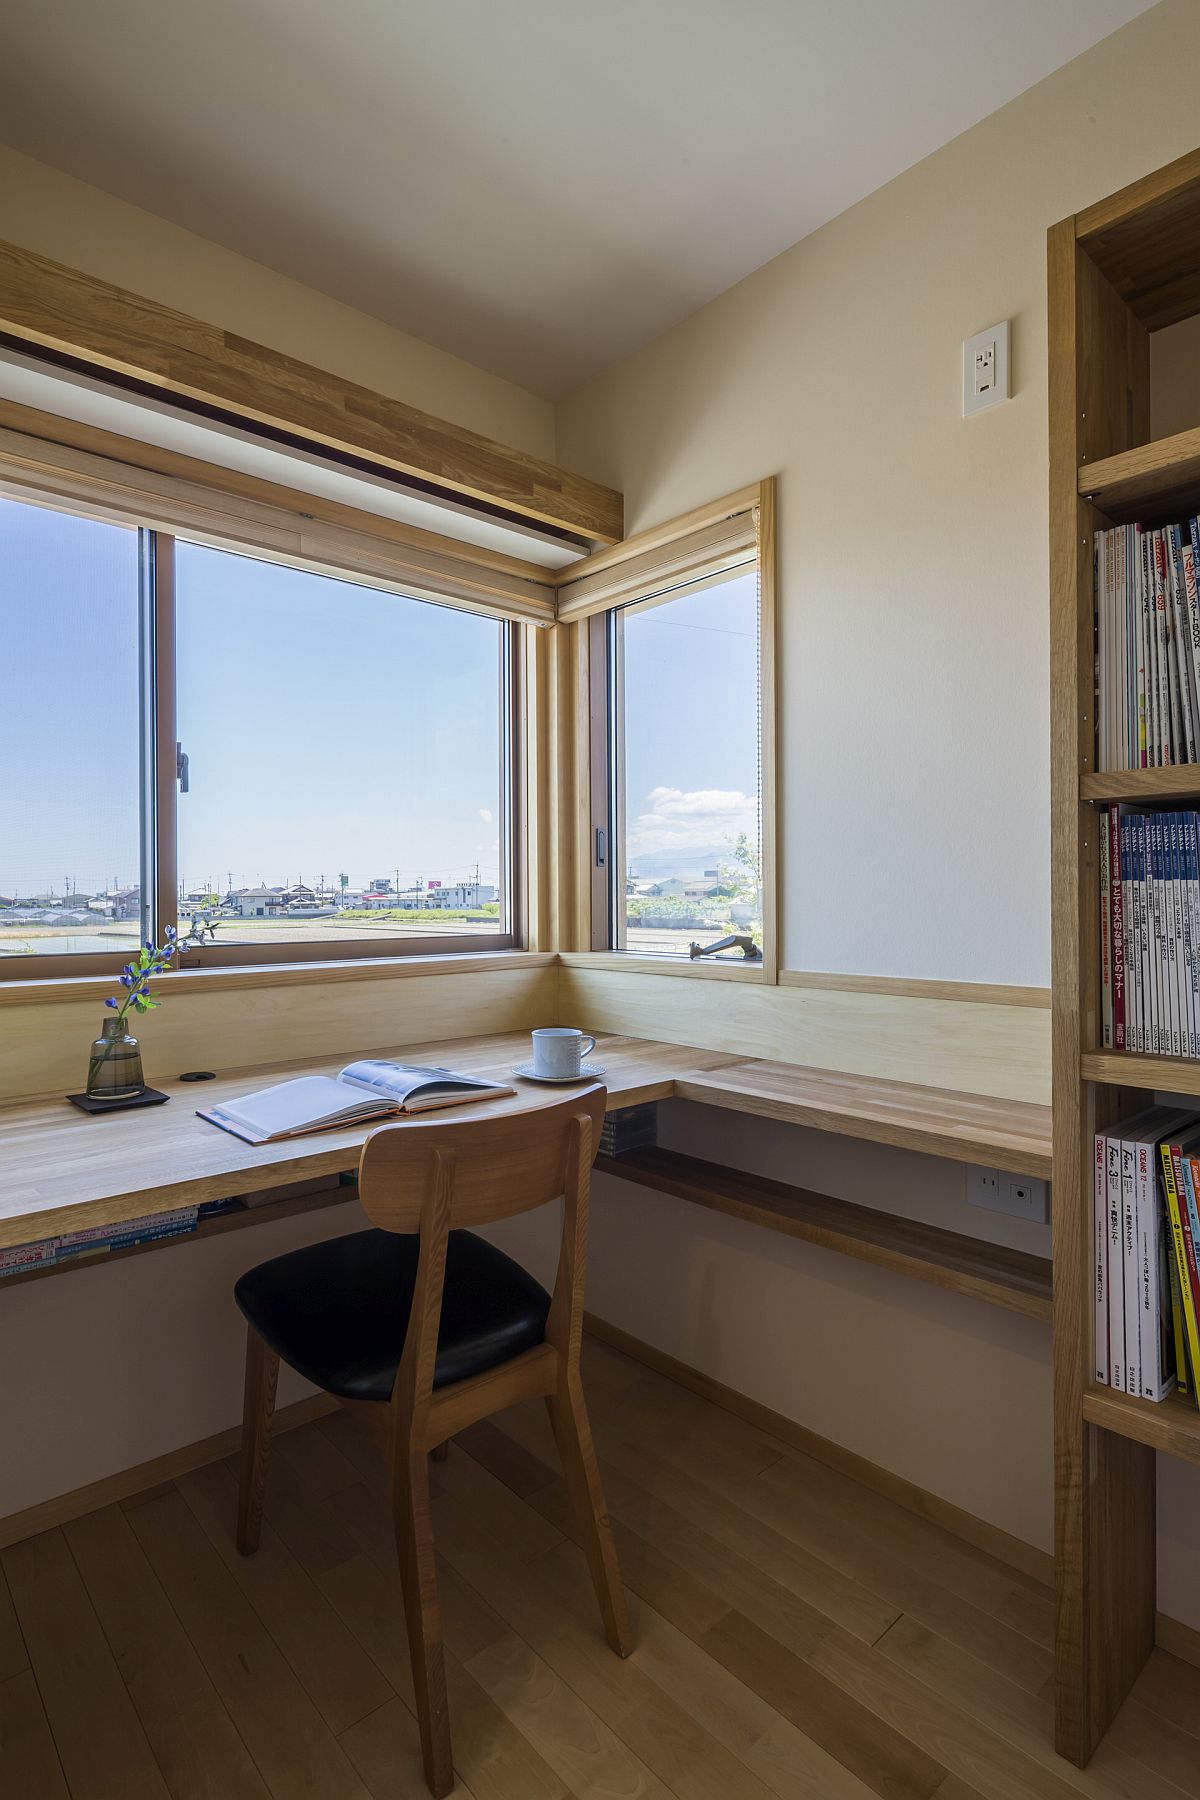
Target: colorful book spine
(1172, 1167)
(1118, 927)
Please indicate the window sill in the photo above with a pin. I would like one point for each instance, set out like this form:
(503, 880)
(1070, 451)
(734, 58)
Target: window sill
(632, 962)
(266, 975)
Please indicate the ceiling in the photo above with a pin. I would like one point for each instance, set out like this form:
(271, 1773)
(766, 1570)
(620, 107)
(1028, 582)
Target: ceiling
(539, 186)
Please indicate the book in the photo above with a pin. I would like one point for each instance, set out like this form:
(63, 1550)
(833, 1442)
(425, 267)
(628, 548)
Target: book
(370, 1089)
(1149, 917)
(1172, 1168)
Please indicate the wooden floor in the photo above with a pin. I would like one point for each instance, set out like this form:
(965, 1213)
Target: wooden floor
(797, 1635)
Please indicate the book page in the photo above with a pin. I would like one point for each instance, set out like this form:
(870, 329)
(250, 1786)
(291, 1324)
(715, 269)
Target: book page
(292, 1105)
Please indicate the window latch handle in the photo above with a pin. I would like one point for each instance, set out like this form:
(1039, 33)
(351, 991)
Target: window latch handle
(181, 768)
(599, 846)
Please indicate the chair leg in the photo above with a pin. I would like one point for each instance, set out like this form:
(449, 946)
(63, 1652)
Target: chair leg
(422, 1614)
(573, 1435)
(262, 1374)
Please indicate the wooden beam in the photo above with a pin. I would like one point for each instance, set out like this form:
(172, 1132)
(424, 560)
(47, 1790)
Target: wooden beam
(107, 330)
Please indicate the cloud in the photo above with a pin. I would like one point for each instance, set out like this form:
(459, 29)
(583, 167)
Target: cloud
(486, 814)
(675, 819)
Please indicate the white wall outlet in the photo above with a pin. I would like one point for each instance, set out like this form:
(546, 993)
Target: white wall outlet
(985, 368)
(983, 1187)
(998, 1191)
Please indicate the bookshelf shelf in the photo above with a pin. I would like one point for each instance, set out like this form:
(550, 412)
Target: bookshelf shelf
(1149, 477)
(966, 1265)
(1129, 1069)
(1141, 786)
(1124, 268)
(1171, 1425)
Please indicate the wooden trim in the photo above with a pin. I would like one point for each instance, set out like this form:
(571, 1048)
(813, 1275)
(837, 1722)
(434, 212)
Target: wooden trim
(699, 556)
(266, 975)
(127, 1484)
(978, 993)
(947, 1259)
(1013, 1551)
(633, 962)
(1148, 191)
(765, 514)
(107, 329)
(216, 506)
(656, 536)
(1177, 1639)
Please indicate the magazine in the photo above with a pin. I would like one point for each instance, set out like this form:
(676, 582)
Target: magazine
(371, 1089)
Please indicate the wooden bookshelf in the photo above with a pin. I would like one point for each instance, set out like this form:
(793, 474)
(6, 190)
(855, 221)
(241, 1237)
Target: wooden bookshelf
(1130, 1069)
(948, 1259)
(1170, 1425)
(1142, 787)
(1126, 267)
(1152, 477)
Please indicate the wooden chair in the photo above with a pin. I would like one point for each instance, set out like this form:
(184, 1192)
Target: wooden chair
(421, 1328)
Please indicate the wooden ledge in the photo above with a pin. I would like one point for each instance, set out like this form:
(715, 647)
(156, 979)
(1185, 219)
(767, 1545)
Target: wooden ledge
(1001, 1134)
(265, 975)
(947, 1259)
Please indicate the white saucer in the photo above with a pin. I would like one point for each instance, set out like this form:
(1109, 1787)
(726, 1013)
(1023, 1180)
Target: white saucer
(587, 1072)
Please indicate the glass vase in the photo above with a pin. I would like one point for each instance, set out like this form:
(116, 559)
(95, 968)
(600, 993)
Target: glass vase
(115, 1067)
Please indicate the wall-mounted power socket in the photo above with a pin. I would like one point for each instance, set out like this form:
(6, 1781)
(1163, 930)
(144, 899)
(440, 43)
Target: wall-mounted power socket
(996, 1190)
(985, 368)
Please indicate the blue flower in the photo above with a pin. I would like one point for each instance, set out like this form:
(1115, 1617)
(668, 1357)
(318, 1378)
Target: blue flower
(111, 1003)
(171, 932)
(126, 981)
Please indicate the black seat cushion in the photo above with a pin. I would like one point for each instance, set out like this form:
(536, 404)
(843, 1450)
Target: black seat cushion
(338, 1311)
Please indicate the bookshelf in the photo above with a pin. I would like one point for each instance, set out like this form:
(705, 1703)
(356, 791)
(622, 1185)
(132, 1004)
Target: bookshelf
(1119, 271)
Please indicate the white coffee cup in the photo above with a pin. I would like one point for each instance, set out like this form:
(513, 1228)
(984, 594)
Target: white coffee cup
(559, 1050)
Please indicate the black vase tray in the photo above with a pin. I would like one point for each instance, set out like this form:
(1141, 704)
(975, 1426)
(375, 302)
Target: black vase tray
(147, 1097)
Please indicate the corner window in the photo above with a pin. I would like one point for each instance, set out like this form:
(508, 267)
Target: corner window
(285, 765)
(684, 767)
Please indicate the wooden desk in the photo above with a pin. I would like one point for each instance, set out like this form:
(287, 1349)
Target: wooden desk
(61, 1170)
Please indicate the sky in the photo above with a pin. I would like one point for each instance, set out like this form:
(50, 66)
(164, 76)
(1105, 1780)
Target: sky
(691, 717)
(330, 728)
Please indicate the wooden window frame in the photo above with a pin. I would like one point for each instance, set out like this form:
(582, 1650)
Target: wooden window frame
(675, 555)
(158, 798)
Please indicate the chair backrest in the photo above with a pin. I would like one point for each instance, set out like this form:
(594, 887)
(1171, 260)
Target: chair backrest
(437, 1175)
(494, 1167)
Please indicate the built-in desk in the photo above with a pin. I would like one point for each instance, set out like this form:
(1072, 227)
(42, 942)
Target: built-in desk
(61, 1170)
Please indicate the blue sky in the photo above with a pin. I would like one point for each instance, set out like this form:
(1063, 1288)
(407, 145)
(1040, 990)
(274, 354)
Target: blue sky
(330, 728)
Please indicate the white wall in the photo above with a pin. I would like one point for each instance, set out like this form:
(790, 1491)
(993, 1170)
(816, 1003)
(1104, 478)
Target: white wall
(914, 640)
(914, 766)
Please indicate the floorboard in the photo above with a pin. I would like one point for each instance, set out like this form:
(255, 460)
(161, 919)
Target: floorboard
(798, 1637)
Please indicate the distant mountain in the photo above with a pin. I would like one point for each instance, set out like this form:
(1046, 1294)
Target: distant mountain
(688, 863)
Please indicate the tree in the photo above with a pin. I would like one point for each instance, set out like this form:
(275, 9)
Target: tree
(742, 875)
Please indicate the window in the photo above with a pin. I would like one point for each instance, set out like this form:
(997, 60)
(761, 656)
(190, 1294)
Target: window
(685, 767)
(287, 765)
(71, 830)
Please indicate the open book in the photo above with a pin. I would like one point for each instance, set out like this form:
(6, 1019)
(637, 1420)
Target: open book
(361, 1091)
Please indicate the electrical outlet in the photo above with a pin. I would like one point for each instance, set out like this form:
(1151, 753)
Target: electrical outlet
(1024, 1198)
(983, 1187)
(985, 368)
(998, 1191)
